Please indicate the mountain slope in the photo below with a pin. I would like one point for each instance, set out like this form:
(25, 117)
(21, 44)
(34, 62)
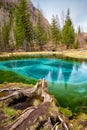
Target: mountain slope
(7, 22)
(34, 11)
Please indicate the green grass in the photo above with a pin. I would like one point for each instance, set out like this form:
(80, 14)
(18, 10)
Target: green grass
(9, 111)
(9, 76)
(66, 111)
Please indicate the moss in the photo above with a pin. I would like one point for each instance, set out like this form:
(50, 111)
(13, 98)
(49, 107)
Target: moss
(66, 112)
(53, 109)
(9, 111)
(8, 76)
(36, 102)
(82, 116)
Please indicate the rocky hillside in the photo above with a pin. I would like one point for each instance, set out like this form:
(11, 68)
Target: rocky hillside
(6, 10)
(34, 11)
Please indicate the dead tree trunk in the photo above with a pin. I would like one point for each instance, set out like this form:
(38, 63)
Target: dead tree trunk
(32, 115)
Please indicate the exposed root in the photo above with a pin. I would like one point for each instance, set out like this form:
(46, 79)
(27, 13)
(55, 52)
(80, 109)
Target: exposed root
(31, 116)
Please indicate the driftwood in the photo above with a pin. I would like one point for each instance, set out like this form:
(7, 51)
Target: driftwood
(21, 119)
(18, 92)
(60, 117)
(31, 115)
(9, 89)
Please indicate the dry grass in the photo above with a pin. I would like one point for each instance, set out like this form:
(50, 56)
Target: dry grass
(82, 54)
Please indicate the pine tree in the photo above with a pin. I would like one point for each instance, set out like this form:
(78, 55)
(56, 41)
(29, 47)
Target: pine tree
(55, 31)
(19, 29)
(41, 35)
(68, 35)
(0, 39)
(5, 35)
(79, 30)
(23, 27)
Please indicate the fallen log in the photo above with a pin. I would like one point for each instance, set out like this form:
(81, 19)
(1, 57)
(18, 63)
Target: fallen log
(10, 96)
(19, 93)
(9, 89)
(60, 117)
(31, 115)
(21, 119)
(45, 95)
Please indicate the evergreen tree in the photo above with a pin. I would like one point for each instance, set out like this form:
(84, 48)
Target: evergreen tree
(79, 30)
(23, 27)
(68, 35)
(19, 29)
(5, 33)
(41, 35)
(0, 39)
(55, 31)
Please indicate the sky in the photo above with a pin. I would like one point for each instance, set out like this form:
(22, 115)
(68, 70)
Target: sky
(78, 10)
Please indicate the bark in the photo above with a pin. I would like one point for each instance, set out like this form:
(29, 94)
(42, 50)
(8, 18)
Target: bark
(9, 89)
(31, 115)
(16, 93)
(61, 119)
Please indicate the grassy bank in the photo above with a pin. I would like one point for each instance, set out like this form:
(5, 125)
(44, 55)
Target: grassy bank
(67, 54)
(8, 76)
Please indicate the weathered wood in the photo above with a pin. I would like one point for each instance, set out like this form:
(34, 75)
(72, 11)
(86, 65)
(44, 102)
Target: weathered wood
(9, 89)
(45, 95)
(10, 96)
(31, 115)
(63, 121)
(54, 127)
(21, 119)
(19, 92)
(49, 121)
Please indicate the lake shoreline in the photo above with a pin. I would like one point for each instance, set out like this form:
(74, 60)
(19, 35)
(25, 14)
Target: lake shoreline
(73, 120)
(80, 54)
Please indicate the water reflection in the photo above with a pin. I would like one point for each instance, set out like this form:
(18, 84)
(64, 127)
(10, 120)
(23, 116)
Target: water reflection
(59, 72)
(48, 76)
(53, 70)
(21, 63)
(68, 73)
(60, 76)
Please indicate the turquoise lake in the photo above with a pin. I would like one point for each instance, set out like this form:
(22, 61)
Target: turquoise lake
(67, 80)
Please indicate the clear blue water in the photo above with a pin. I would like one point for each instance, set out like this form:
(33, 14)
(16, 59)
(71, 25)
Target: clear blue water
(67, 80)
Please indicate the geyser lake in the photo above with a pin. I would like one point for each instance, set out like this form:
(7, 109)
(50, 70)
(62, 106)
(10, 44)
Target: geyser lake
(67, 80)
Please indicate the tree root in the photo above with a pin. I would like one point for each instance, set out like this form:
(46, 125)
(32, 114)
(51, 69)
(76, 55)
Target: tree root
(31, 115)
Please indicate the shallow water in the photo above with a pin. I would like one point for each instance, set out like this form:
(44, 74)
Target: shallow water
(67, 80)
